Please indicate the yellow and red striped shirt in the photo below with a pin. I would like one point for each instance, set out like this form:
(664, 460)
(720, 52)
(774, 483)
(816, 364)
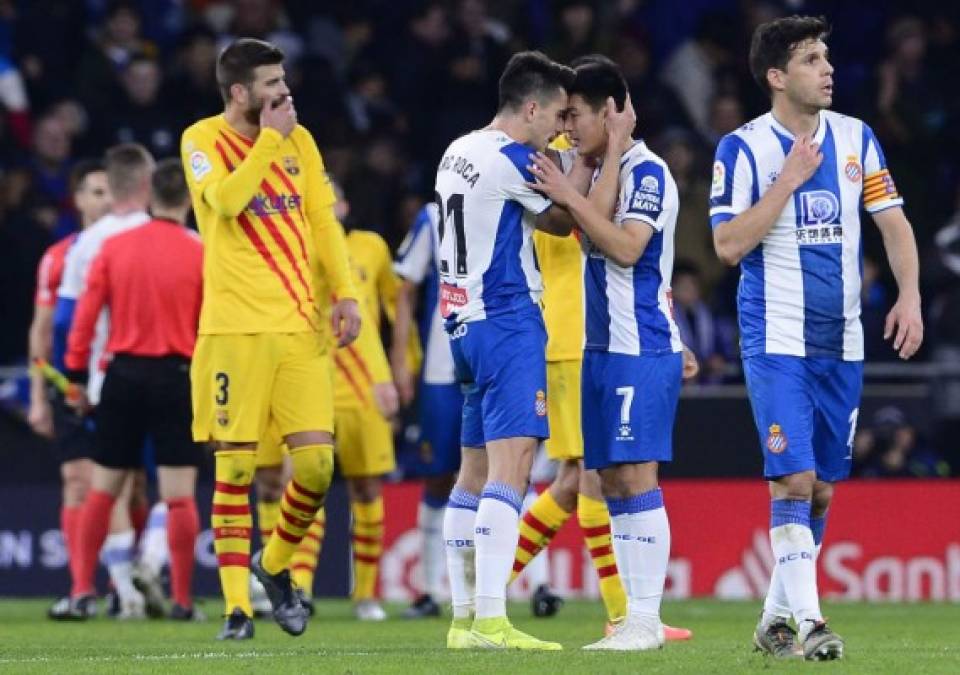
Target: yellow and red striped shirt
(264, 211)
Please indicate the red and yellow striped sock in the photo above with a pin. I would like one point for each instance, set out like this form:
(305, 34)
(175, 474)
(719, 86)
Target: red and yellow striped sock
(267, 515)
(595, 522)
(537, 529)
(232, 524)
(367, 547)
(303, 564)
(302, 498)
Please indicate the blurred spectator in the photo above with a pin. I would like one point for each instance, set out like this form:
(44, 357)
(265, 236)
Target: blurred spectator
(115, 45)
(141, 116)
(944, 331)
(657, 107)
(262, 19)
(691, 69)
(706, 336)
(693, 240)
(13, 102)
(726, 115)
(577, 31)
(375, 189)
(47, 175)
(874, 305)
(891, 447)
(370, 110)
(191, 84)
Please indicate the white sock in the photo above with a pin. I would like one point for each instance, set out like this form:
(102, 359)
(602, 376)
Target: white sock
(430, 523)
(775, 605)
(537, 571)
(458, 524)
(794, 556)
(497, 532)
(641, 540)
(117, 555)
(154, 552)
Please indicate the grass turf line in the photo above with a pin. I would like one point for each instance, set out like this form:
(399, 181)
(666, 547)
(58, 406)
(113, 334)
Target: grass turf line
(880, 638)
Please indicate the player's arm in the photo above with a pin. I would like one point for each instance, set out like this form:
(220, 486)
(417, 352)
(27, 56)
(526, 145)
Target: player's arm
(737, 232)
(414, 260)
(606, 189)
(89, 304)
(904, 322)
(401, 331)
(370, 349)
(40, 342)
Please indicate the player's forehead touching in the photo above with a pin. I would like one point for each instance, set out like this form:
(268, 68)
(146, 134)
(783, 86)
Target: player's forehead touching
(531, 77)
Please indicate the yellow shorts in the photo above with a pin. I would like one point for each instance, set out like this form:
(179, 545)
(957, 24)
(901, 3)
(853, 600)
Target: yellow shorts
(271, 448)
(364, 443)
(563, 392)
(238, 382)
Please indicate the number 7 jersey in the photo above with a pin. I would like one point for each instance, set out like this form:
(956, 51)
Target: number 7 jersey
(487, 216)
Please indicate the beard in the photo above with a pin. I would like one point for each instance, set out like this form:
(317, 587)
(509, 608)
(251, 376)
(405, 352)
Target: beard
(252, 113)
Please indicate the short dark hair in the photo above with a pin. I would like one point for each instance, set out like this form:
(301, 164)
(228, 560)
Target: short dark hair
(82, 169)
(127, 164)
(240, 58)
(597, 79)
(531, 75)
(773, 42)
(169, 184)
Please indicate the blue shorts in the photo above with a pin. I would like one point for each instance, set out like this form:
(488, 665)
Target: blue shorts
(441, 406)
(806, 412)
(501, 364)
(629, 404)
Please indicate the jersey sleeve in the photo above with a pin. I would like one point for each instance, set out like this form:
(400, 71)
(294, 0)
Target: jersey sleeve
(71, 283)
(46, 295)
(89, 304)
(225, 185)
(330, 240)
(514, 177)
(642, 194)
(387, 280)
(415, 255)
(733, 187)
(879, 190)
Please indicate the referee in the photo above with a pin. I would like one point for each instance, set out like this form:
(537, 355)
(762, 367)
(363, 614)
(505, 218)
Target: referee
(150, 278)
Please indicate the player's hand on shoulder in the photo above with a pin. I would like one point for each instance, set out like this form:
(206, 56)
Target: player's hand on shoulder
(549, 179)
(905, 318)
(802, 162)
(346, 321)
(280, 116)
(386, 398)
(691, 367)
(620, 123)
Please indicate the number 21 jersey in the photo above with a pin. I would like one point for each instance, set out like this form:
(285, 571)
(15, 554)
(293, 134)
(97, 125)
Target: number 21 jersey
(487, 216)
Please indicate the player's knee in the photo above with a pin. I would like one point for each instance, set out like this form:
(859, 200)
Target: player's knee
(822, 496)
(797, 486)
(313, 467)
(236, 467)
(74, 490)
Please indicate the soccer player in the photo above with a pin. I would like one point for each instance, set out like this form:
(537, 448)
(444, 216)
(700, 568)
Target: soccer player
(439, 401)
(149, 278)
(365, 399)
(265, 212)
(784, 205)
(489, 290)
(128, 168)
(49, 415)
(632, 363)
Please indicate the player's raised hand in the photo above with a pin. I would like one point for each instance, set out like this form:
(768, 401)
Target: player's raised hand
(549, 179)
(906, 320)
(691, 367)
(385, 396)
(345, 320)
(280, 115)
(620, 123)
(802, 162)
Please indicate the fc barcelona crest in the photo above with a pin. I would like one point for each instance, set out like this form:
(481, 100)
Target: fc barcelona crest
(290, 165)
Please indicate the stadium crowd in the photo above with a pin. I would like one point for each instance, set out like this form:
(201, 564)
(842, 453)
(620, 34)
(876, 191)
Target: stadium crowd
(142, 70)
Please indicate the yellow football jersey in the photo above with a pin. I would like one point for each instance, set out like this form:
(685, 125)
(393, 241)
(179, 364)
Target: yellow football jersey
(362, 364)
(561, 265)
(264, 211)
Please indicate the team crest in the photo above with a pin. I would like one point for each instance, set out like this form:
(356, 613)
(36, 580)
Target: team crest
(852, 170)
(541, 403)
(290, 165)
(223, 419)
(776, 440)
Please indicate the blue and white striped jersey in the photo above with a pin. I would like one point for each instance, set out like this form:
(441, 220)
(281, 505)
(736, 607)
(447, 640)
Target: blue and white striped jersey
(799, 290)
(487, 214)
(629, 309)
(417, 263)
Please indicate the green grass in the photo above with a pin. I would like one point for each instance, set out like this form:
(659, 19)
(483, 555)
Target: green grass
(880, 638)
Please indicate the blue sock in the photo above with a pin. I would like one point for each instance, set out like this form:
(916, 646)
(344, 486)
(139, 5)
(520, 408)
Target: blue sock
(817, 526)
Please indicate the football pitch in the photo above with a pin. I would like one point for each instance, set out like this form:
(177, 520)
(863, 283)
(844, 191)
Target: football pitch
(922, 638)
